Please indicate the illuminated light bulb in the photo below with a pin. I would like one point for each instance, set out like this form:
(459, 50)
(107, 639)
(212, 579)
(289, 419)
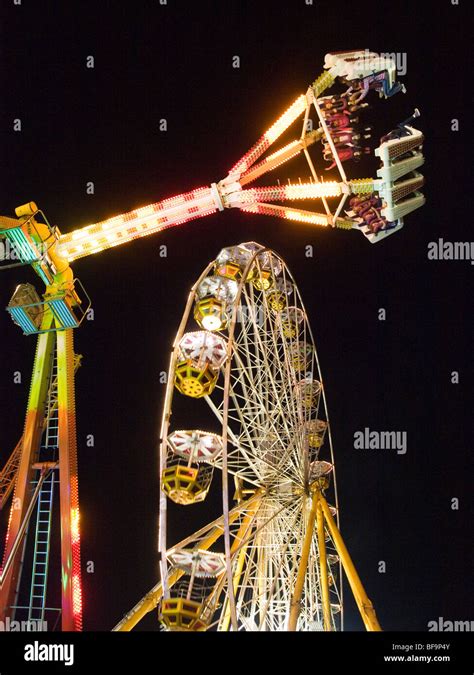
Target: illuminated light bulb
(303, 217)
(110, 223)
(211, 322)
(285, 149)
(286, 119)
(146, 211)
(311, 190)
(76, 595)
(210, 314)
(75, 533)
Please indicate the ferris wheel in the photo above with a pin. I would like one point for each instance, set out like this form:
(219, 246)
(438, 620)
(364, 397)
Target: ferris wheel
(250, 372)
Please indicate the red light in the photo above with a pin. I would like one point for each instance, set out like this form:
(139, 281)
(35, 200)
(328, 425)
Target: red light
(77, 596)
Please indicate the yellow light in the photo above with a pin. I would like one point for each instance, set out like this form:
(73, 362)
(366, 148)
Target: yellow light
(286, 119)
(112, 222)
(145, 211)
(303, 217)
(211, 322)
(312, 190)
(75, 533)
(210, 314)
(76, 595)
(285, 149)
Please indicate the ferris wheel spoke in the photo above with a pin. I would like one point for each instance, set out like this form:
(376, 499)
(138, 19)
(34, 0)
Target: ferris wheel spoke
(265, 366)
(239, 459)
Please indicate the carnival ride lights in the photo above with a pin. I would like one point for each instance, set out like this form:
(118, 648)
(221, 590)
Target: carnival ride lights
(46, 454)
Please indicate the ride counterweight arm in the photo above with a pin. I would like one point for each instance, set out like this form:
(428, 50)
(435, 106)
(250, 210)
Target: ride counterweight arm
(180, 209)
(375, 206)
(138, 223)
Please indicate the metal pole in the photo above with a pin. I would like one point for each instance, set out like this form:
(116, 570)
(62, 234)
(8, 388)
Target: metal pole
(241, 535)
(365, 606)
(295, 606)
(71, 584)
(323, 567)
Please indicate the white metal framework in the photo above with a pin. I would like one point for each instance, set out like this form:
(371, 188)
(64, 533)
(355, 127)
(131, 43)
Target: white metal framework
(269, 404)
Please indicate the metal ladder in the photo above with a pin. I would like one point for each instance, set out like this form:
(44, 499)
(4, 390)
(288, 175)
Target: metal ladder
(39, 575)
(51, 434)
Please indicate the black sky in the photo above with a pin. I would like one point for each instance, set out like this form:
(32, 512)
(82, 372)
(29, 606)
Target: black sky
(102, 125)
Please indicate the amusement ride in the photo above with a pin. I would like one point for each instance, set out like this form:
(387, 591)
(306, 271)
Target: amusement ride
(244, 359)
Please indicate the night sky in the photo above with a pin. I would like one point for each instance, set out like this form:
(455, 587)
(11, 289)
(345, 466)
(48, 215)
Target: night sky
(174, 61)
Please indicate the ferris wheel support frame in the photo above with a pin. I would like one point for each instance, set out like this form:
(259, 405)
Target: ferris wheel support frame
(319, 513)
(240, 544)
(321, 517)
(365, 606)
(295, 604)
(323, 569)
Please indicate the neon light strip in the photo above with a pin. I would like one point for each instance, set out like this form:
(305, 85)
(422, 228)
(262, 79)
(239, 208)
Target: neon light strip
(77, 597)
(62, 314)
(7, 538)
(272, 162)
(298, 215)
(27, 252)
(75, 531)
(139, 223)
(22, 319)
(276, 130)
(284, 192)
